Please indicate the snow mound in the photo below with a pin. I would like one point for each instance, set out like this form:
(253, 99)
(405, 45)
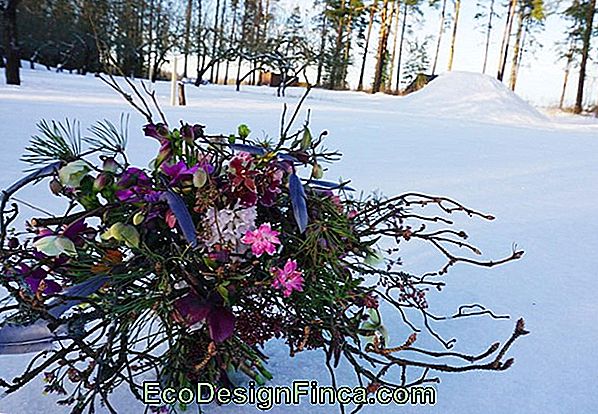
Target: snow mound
(474, 96)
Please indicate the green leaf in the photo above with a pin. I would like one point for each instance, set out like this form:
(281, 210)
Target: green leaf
(232, 138)
(306, 140)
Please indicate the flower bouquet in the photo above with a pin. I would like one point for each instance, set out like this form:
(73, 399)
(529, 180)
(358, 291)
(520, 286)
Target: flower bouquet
(182, 271)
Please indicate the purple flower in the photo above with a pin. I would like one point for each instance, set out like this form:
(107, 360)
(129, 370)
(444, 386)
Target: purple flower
(135, 186)
(179, 172)
(220, 320)
(34, 278)
(161, 133)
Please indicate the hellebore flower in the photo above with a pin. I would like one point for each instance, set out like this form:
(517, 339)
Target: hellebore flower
(288, 278)
(71, 174)
(220, 320)
(263, 240)
(54, 246)
(122, 233)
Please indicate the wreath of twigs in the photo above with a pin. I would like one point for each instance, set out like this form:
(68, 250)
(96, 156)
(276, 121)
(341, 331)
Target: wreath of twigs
(97, 351)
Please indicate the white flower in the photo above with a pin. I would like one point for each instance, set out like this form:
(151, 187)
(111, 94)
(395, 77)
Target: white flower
(226, 227)
(71, 174)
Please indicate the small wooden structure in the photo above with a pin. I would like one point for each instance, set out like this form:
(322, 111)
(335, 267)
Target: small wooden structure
(419, 82)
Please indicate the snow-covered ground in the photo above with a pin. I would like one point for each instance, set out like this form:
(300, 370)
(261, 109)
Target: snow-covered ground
(464, 136)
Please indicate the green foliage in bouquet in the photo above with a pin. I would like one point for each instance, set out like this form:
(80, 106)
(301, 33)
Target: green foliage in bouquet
(184, 270)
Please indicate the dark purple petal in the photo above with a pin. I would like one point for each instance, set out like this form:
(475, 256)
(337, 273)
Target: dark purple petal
(299, 202)
(221, 322)
(183, 217)
(192, 309)
(75, 229)
(158, 131)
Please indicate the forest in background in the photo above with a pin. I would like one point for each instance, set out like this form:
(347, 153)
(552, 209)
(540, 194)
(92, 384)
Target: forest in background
(316, 41)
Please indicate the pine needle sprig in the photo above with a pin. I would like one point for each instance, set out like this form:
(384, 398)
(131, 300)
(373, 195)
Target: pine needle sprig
(58, 141)
(107, 137)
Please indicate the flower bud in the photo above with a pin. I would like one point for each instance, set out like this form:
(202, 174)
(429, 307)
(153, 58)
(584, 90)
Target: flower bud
(13, 243)
(110, 165)
(55, 187)
(101, 182)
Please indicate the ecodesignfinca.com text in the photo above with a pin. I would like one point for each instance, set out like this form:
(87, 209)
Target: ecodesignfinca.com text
(300, 392)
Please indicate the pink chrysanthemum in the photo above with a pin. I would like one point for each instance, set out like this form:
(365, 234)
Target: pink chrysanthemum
(287, 279)
(263, 240)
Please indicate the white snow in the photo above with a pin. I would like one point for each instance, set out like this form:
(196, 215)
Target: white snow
(465, 136)
(467, 95)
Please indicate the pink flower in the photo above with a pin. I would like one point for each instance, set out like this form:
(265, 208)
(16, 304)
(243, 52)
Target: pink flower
(263, 240)
(287, 279)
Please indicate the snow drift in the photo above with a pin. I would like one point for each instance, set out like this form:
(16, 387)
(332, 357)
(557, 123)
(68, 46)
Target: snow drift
(474, 96)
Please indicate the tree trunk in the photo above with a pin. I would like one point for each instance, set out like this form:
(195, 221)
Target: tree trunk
(440, 32)
(488, 33)
(215, 40)
(516, 48)
(506, 40)
(373, 9)
(567, 71)
(199, 40)
(11, 45)
(233, 32)
(382, 43)
(187, 34)
(398, 84)
(322, 53)
(336, 66)
(221, 36)
(347, 52)
(395, 17)
(587, 39)
(454, 38)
